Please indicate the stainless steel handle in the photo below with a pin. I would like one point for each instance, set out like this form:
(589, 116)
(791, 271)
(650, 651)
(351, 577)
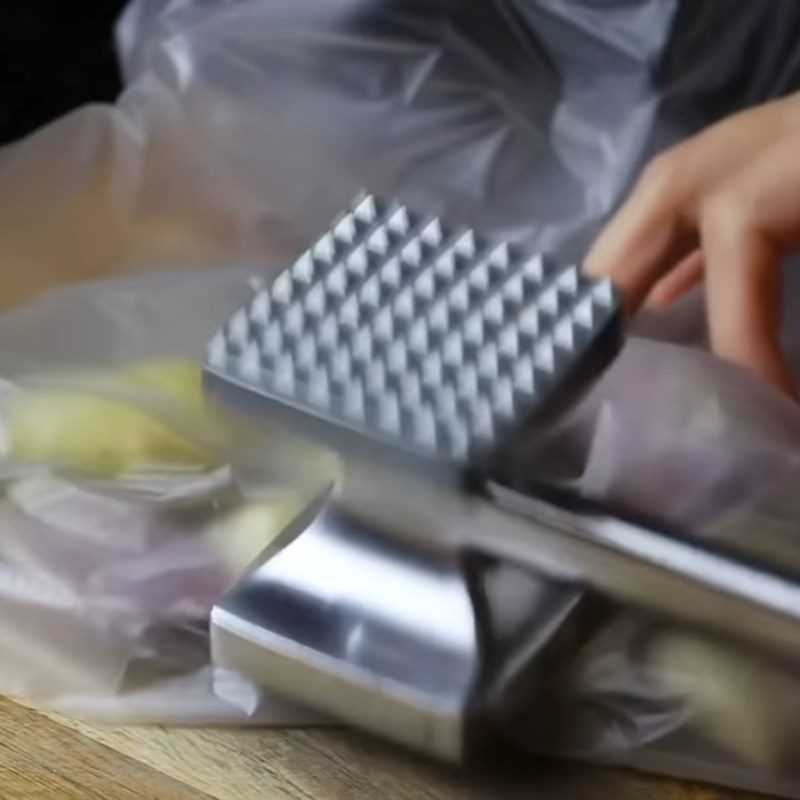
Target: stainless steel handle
(677, 577)
(685, 580)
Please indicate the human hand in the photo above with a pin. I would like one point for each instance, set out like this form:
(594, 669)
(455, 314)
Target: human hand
(724, 207)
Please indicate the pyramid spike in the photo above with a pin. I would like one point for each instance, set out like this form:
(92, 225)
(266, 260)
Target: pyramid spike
(315, 300)
(349, 312)
(459, 297)
(378, 241)
(482, 420)
(337, 281)
(412, 253)
(446, 403)
(358, 261)
(473, 328)
(397, 357)
(376, 377)
(295, 320)
(466, 245)
(404, 305)
(418, 337)
(564, 334)
(500, 258)
(487, 362)
(584, 313)
(533, 269)
(603, 293)
(425, 427)
(217, 352)
(445, 267)
(260, 309)
(410, 391)
(389, 413)
(239, 328)
(353, 403)
(568, 280)
(341, 366)
(345, 229)
(439, 318)
(432, 370)
(468, 382)
(325, 249)
(514, 289)
(453, 349)
(281, 291)
(272, 340)
(362, 345)
(494, 310)
(391, 273)
(366, 209)
(283, 376)
(543, 355)
(503, 398)
(548, 301)
(307, 352)
(524, 379)
(528, 321)
(328, 335)
(319, 391)
(399, 223)
(432, 234)
(383, 325)
(424, 286)
(479, 277)
(371, 292)
(508, 342)
(458, 439)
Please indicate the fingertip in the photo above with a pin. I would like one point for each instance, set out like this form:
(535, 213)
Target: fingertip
(599, 264)
(602, 257)
(658, 300)
(593, 264)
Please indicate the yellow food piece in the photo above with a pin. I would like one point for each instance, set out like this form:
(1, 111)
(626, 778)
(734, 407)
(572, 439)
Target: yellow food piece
(736, 699)
(108, 437)
(241, 535)
(179, 380)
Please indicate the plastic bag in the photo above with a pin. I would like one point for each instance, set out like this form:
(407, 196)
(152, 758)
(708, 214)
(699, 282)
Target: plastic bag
(244, 126)
(128, 505)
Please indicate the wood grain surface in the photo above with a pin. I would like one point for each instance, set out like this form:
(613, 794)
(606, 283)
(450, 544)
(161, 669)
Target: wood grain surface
(47, 757)
(43, 755)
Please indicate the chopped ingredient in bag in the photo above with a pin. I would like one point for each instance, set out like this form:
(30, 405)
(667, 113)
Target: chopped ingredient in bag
(737, 700)
(240, 536)
(179, 380)
(106, 436)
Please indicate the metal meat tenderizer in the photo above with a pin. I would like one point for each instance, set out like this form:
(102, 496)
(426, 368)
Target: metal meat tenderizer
(424, 593)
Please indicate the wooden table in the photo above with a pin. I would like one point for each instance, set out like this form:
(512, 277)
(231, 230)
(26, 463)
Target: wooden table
(51, 758)
(47, 757)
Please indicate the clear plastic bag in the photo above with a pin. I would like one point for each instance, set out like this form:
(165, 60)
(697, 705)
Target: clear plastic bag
(128, 505)
(244, 126)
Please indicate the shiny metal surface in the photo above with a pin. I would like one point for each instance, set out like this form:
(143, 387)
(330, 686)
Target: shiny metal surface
(376, 607)
(407, 350)
(677, 578)
(368, 610)
(414, 643)
(425, 339)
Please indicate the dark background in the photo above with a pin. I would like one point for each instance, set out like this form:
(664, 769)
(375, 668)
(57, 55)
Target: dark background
(58, 55)
(55, 56)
